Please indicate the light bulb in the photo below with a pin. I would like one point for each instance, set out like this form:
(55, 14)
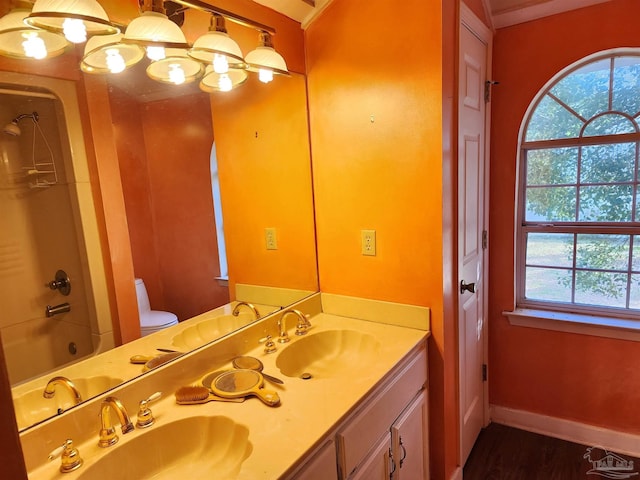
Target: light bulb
(156, 53)
(74, 30)
(34, 46)
(224, 83)
(115, 62)
(176, 74)
(265, 76)
(220, 63)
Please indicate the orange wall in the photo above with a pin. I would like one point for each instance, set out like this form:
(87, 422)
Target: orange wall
(587, 379)
(375, 102)
(262, 145)
(178, 135)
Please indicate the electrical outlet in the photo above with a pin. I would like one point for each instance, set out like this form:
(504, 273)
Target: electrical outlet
(270, 238)
(368, 242)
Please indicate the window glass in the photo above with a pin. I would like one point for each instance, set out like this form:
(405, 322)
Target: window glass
(601, 288)
(548, 284)
(606, 203)
(602, 252)
(550, 204)
(552, 166)
(550, 249)
(586, 90)
(635, 261)
(540, 128)
(609, 124)
(634, 301)
(608, 163)
(626, 85)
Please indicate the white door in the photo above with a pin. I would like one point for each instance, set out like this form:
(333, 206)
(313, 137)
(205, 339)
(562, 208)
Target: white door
(473, 58)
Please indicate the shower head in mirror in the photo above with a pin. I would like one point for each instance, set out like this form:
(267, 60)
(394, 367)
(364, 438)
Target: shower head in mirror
(12, 127)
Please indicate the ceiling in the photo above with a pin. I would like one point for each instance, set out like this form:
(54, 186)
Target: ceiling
(502, 12)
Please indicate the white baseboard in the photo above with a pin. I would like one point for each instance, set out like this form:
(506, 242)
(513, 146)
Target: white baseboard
(589, 435)
(457, 475)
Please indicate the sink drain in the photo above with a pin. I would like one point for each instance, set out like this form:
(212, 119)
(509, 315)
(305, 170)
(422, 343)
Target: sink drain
(305, 376)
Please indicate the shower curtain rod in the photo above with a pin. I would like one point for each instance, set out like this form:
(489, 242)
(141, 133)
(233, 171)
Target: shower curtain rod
(25, 93)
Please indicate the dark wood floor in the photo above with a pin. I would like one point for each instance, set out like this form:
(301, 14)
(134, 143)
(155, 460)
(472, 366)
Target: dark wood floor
(504, 453)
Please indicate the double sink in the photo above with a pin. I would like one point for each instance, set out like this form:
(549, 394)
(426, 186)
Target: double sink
(325, 372)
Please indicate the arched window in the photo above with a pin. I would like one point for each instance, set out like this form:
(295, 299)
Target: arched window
(578, 225)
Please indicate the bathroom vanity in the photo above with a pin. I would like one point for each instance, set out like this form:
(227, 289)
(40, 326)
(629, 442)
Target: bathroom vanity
(353, 406)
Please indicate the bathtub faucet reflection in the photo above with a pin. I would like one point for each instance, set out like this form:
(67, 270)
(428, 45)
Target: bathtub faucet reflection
(57, 309)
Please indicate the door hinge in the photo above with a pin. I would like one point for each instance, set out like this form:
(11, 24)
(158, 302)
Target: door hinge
(484, 239)
(484, 372)
(487, 90)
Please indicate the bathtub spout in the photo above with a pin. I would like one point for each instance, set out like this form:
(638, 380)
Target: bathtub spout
(57, 309)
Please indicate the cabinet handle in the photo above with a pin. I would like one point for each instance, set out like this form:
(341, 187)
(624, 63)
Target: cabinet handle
(404, 453)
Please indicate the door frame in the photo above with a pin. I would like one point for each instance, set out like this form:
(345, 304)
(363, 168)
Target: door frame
(470, 21)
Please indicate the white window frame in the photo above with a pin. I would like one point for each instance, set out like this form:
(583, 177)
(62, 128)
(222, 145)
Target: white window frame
(576, 318)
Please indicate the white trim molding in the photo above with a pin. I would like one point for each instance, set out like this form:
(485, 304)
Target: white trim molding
(596, 326)
(576, 432)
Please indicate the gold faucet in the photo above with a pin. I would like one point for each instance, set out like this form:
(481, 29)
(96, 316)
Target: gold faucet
(236, 309)
(301, 327)
(108, 434)
(50, 389)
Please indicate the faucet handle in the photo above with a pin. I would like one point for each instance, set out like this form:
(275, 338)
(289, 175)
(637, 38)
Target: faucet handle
(145, 416)
(269, 344)
(70, 456)
(303, 324)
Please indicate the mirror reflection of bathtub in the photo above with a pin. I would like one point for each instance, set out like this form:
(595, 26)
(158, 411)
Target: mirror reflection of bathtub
(48, 223)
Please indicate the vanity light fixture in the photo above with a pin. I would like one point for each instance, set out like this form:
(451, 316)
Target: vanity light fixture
(222, 82)
(75, 18)
(176, 68)
(154, 31)
(18, 40)
(265, 60)
(217, 48)
(106, 54)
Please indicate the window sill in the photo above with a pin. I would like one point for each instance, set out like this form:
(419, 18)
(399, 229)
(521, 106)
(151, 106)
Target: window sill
(607, 327)
(223, 281)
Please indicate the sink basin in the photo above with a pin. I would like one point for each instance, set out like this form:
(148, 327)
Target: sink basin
(210, 329)
(31, 407)
(328, 354)
(195, 448)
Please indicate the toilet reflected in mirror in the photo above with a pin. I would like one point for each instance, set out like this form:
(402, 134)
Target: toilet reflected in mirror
(151, 320)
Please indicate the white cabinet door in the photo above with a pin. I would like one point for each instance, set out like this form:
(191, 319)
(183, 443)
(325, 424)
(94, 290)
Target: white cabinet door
(409, 440)
(321, 466)
(376, 465)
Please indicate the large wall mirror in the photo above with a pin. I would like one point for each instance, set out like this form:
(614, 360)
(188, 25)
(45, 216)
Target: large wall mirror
(197, 171)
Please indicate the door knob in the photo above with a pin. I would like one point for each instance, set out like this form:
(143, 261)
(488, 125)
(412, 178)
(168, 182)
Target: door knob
(469, 287)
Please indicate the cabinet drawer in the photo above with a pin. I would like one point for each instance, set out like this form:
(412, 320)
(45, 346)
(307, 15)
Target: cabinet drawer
(375, 417)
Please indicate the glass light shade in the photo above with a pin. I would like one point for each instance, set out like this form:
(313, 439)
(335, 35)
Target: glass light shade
(177, 68)
(265, 60)
(154, 29)
(103, 53)
(216, 47)
(222, 82)
(17, 38)
(76, 18)
(211, 43)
